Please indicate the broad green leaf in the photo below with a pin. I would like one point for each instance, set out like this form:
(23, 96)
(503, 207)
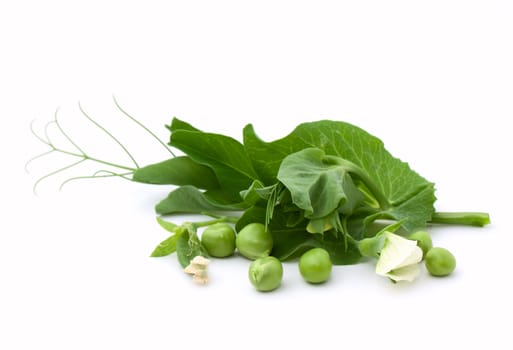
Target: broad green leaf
(317, 186)
(291, 244)
(251, 215)
(188, 199)
(224, 155)
(415, 209)
(177, 171)
(409, 195)
(341, 252)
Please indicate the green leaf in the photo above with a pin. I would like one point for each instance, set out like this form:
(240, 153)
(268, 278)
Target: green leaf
(254, 214)
(409, 195)
(416, 210)
(188, 199)
(177, 124)
(167, 246)
(290, 244)
(224, 155)
(177, 171)
(289, 241)
(252, 195)
(317, 186)
(341, 252)
(166, 225)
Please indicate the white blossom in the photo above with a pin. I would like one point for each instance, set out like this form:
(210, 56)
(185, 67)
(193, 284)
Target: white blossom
(399, 259)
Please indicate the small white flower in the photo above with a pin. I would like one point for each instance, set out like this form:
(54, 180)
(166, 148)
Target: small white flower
(399, 259)
(198, 268)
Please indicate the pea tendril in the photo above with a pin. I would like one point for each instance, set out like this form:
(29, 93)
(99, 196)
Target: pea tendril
(98, 174)
(142, 126)
(109, 134)
(78, 152)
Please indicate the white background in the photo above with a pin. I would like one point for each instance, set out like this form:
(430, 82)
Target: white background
(432, 79)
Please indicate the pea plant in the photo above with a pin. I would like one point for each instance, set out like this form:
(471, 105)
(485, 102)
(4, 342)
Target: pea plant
(328, 193)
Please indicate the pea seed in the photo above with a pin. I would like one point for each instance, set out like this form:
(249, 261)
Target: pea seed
(254, 242)
(265, 273)
(440, 262)
(315, 265)
(219, 240)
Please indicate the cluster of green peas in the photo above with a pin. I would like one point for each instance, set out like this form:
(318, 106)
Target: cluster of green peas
(255, 243)
(266, 272)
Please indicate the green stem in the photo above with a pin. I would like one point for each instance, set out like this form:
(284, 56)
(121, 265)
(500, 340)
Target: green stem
(102, 128)
(371, 185)
(142, 126)
(119, 166)
(461, 218)
(93, 159)
(96, 175)
(229, 219)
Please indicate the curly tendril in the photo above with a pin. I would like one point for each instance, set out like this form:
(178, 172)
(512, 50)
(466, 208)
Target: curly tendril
(78, 152)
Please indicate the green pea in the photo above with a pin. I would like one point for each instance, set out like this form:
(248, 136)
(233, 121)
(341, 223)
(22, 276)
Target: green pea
(423, 241)
(315, 265)
(265, 273)
(440, 262)
(254, 242)
(219, 240)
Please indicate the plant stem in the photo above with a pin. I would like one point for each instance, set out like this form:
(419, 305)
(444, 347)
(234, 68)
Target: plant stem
(97, 160)
(368, 182)
(461, 218)
(152, 134)
(107, 132)
(229, 219)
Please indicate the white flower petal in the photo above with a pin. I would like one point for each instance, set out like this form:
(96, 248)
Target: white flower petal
(406, 273)
(414, 257)
(399, 258)
(394, 253)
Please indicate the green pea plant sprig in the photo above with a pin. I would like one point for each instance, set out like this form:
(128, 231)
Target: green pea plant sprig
(328, 193)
